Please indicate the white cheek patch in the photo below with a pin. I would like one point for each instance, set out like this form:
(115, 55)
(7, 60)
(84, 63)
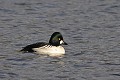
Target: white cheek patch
(61, 42)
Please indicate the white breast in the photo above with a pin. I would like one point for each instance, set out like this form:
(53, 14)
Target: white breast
(50, 50)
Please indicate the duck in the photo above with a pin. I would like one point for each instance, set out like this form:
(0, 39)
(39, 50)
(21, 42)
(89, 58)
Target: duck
(52, 48)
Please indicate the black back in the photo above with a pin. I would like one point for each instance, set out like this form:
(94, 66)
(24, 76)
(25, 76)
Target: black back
(29, 48)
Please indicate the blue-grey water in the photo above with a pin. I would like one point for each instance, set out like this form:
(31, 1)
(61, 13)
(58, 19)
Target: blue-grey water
(90, 27)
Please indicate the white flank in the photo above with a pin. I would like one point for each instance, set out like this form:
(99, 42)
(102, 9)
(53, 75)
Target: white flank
(50, 50)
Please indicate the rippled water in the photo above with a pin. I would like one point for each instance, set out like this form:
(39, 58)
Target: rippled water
(90, 27)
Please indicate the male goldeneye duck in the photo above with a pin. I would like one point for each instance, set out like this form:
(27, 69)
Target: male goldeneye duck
(53, 48)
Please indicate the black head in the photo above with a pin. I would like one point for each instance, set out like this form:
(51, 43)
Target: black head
(57, 39)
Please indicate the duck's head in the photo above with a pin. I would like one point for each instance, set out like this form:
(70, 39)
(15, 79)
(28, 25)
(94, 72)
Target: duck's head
(57, 39)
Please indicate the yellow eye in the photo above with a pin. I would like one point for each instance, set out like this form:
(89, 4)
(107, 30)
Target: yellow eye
(59, 39)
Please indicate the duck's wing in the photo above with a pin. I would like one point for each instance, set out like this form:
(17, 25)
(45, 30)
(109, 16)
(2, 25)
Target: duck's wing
(29, 48)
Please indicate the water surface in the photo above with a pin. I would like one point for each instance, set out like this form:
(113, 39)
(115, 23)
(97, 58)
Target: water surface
(90, 27)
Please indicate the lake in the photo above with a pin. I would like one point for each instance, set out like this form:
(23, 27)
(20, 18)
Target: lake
(90, 27)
